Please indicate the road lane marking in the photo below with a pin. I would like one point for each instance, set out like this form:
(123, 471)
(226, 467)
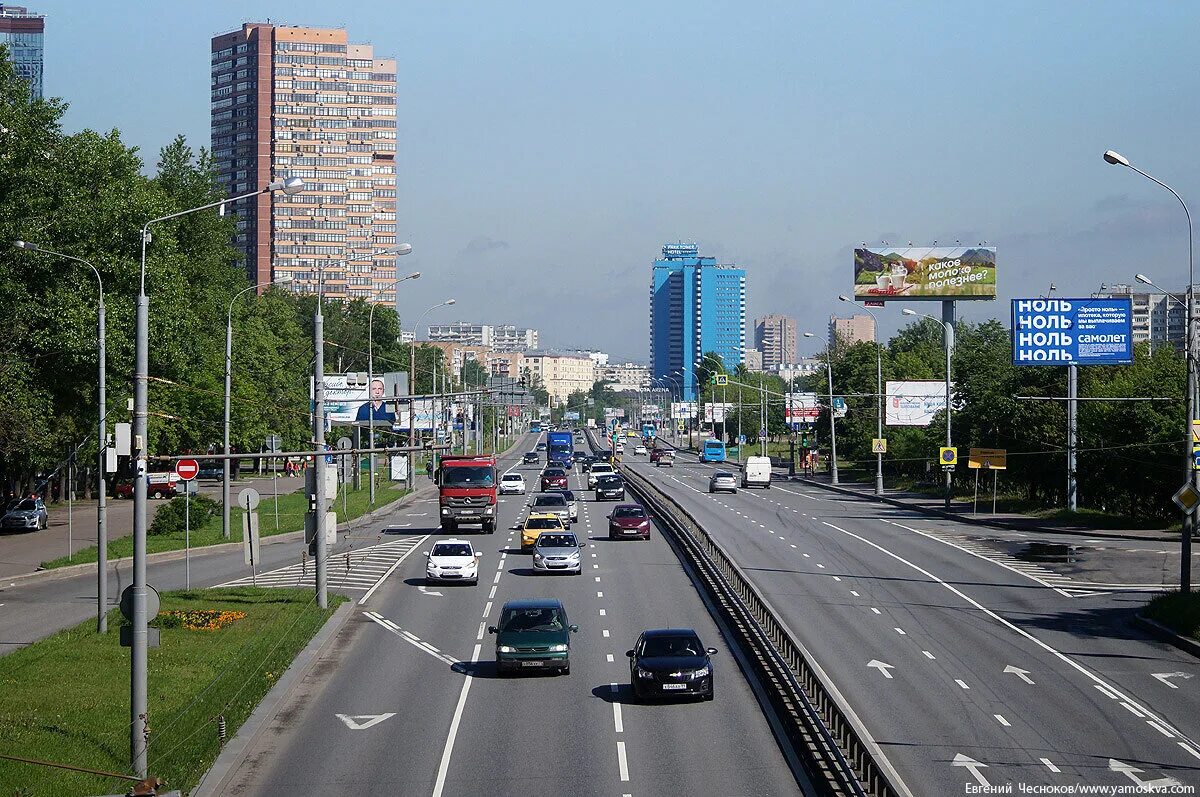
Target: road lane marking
(876, 610)
(622, 764)
(492, 594)
(609, 656)
(487, 610)
(602, 613)
(444, 766)
(599, 594)
(1158, 726)
(605, 633)
(496, 580)
(961, 683)
(900, 631)
(928, 655)
(360, 722)
(399, 632)
(854, 593)
(1000, 719)
(1049, 765)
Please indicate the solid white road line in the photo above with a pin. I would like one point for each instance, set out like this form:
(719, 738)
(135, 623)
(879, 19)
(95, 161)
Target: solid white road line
(444, 766)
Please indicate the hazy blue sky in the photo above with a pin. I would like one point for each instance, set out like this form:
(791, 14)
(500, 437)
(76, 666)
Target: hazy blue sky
(548, 150)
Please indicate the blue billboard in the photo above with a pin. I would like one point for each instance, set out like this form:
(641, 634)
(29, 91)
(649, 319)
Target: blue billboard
(1078, 331)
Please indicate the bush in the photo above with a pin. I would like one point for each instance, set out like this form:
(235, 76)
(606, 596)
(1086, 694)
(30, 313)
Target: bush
(170, 517)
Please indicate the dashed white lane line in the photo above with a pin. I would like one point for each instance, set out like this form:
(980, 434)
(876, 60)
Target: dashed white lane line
(820, 565)
(605, 632)
(444, 766)
(928, 655)
(1000, 719)
(876, 611)
(492, 594)
(609, 656)
(806, 556)
(487, 610)
(793, 545)
(599, 594)
(961, 683)
(622, 764)
(479, 636)
(900, 631)
(496, 580)
(617, 724)
(1050, 766)
(854, 592)
(837, 578)
(602, 612)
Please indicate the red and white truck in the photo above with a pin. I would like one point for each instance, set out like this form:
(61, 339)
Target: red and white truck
(467, 492)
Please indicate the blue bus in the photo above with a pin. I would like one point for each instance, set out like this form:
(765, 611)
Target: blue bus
(535, 426)
(713, 451)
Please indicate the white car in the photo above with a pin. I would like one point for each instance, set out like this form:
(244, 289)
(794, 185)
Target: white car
(595, 471)
(640, 450)
(452, 560)
(512, 484)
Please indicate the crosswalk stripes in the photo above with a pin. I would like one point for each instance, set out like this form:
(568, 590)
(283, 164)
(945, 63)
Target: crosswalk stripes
(352, 570)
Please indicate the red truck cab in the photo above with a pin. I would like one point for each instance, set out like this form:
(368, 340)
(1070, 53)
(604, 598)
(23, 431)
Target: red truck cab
(467, 492)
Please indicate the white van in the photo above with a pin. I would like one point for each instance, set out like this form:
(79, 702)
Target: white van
(757, 472)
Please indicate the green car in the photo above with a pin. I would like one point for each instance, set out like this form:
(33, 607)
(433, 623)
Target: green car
(533, 635)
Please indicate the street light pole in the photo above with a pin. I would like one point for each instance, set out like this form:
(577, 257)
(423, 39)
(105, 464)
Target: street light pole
(878, 395)
(402, 249)
(833, 468)
(1192, 477)
(101, 440)
(948, 332)
(139, 729)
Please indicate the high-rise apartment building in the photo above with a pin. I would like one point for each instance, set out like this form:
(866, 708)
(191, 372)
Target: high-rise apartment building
(305, 102)
(500, 338)
(855, 329)
(696, 306)
(775, 337)
(22, 34)
(1159, 318)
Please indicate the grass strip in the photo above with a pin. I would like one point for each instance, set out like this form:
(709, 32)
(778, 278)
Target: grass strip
(292, 508)
(66, 698)
(1177, 611)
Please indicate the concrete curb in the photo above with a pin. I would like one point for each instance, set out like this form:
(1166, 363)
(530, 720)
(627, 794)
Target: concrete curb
(996, 524)
(231, 755)
(1167, 635)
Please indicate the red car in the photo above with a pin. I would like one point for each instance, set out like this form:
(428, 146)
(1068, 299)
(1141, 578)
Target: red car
(655, 453)
(554, 479)
(628, 521)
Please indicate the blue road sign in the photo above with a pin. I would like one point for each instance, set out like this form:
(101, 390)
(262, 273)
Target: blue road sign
(1066, 331)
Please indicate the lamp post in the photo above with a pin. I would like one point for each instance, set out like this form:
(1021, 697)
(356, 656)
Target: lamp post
(280, 279)
(139, 729)
(402, 249)
(948, 332)
(833, 469)
(878, 394)
(1189, 518)
(412, 375)
(101, 438)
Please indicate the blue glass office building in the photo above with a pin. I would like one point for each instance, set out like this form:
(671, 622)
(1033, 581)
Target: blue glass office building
(21, 34)
(696, 306)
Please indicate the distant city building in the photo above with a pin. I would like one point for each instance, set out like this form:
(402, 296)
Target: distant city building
(807, 366)
(775, 338)
(407, 336)
(1158, 318)
(753, 360)
(511, 338)
(561, 373)
(625, 376)
(500, 338)
(696, 306)
(456, 355)
(290, 101)
(22, 33)
(857, 328)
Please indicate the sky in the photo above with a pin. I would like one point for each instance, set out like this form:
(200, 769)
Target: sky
(548, 150)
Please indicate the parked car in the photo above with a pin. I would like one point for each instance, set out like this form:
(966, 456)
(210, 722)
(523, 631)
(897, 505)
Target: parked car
(628, 521)
(556, 552)
(28, 514)
(670, 661)
(530, 458)
(554, 479)
(610, 487)
(512, 484)
(722, 480)
(211, 469)
(533, 635)
(757, 472)
(452, 560)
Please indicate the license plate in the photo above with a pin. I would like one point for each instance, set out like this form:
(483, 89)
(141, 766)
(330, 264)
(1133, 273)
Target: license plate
(674, 686)
(470, 511)
(532, 663)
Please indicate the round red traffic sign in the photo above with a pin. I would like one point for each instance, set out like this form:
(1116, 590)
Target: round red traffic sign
(187, 469)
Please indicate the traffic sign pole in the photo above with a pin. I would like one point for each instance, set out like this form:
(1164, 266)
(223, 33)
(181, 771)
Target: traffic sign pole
(187, 469)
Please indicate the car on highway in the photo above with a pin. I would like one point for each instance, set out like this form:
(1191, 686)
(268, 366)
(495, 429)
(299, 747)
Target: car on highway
(757, 472)
(572, 502)
(452, 560)
(669, 662)
(530, 458)
(722, 480)
(552, 502)
(667, 458)
(596, 471)
(558, 553)
(655, 453)
(28, 514)
(533, 527)
(541, 446)
(640, 450)
(628, 521)
(584, 461)
(610, 487)
(554, 479)
(512, 484)
(533, 635)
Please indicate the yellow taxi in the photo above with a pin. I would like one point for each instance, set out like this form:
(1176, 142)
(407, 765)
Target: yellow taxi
(535, 524)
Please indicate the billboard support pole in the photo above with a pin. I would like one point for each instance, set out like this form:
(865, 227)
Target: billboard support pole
(1072, 435)
(948, 323)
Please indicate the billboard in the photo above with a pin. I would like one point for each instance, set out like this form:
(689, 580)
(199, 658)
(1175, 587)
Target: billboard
(571, 415)
(347, 396)
(801, 409)
(716, 412)
(683, 410)
(913, 403)
(925, 272)
(1079, 331)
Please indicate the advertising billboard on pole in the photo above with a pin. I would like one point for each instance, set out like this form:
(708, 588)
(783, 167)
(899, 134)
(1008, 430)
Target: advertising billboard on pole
(925, 272)
(913, 403)
(801, 409)
(1080, 331)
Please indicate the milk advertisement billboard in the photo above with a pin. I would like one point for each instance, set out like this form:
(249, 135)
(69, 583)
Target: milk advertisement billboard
(925, 272)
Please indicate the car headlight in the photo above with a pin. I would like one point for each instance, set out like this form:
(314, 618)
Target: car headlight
(701, 673)
(560, 648)
(489, 510)
(574, 556)
(644, 673)
(506, 649)
(445, 510)
(537, 557)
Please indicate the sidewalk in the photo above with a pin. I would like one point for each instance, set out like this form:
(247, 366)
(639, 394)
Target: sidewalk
(961, 511)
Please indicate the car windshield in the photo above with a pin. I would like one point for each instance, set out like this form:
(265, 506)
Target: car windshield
(557, 541)
(550, 500)
(468, 476)
(554, 473)
(546, 619)
(543, 523)
(722, 475)
(567, 495)
(511, 477)
(601, 468)
(629, 511)
(28, 503)
(672, 646)
(609, 479)
(451, 549)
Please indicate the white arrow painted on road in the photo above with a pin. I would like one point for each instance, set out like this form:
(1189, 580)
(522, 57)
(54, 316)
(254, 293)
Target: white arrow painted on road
(1166, 676)
(359, 722)
(427, 591)
(973, 766)
(1130, 771)
(883, 667)
(1017, 671)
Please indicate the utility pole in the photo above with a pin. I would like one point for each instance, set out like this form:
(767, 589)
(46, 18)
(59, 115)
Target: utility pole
(319, 506)
(1072, 435)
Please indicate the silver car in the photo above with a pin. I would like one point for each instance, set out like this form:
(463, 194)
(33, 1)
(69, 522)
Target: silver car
(552, 504)
(28, 514)
(557, 552)
(572, 503)
(722, 480)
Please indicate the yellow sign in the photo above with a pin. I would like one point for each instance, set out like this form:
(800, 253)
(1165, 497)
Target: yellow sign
(988, 458)
(1196, 432)
(1187, 498)
(948, 455)
(879, 445)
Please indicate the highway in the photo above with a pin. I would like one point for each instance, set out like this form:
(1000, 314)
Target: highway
(968, 667)
(407, 699)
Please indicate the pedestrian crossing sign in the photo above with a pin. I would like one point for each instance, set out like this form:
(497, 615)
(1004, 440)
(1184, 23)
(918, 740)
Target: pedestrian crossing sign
(879, 445)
